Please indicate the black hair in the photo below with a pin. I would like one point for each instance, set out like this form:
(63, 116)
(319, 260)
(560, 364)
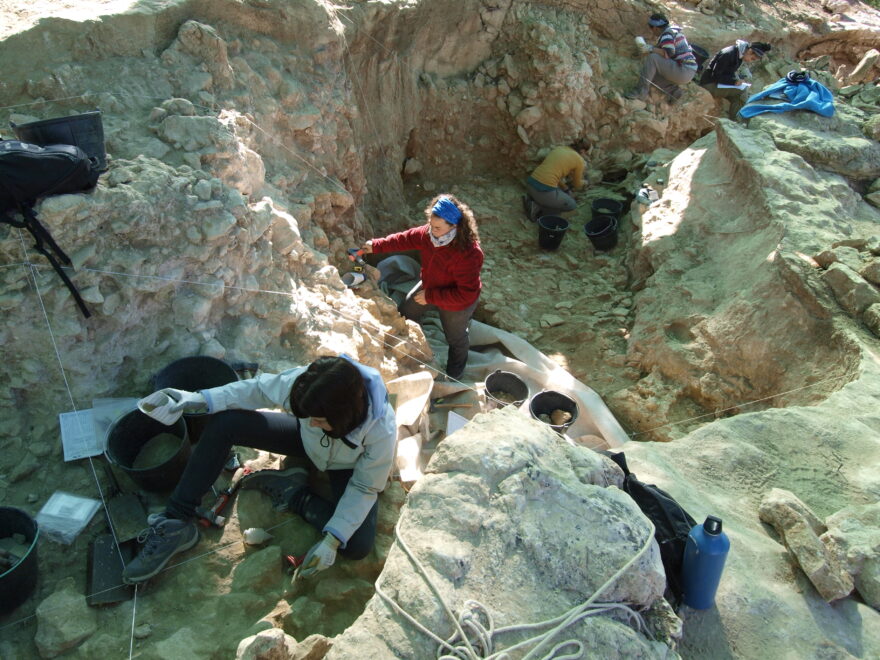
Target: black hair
(332, 388)
(760, 46)
(581, 144)
(659, 19)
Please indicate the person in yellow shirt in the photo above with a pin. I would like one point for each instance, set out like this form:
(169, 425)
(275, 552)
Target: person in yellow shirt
(548, 193)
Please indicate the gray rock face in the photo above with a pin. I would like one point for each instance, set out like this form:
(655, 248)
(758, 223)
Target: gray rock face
(836, 144)
(272, 644)
(854, 537)
(64, 620)
(800, 530)
(502, 514)
(853, 293)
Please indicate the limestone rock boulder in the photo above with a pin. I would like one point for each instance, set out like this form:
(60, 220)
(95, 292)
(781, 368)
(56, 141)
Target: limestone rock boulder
(272, 644)
(798, 528)
(853, 536)
(313, 647)
(853, 293)
(713, 338)
(64, 620)
(507, 517)
(836, 144)
(871, 318)
(782, 509)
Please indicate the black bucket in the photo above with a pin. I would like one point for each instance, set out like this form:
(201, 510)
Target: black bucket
(130, 433)
(200, 372)
(17, 583)
(602, 231)
(504, 381)
(551, 231)
(607, 206)
(85, 131)
(544, 403)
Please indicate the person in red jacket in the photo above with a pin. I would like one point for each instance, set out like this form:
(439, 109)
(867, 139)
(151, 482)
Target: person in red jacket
(449, 245)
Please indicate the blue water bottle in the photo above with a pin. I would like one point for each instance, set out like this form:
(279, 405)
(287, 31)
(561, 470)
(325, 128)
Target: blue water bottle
(704, 557)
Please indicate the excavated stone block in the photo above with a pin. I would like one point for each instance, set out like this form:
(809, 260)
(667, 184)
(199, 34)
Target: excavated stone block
(313, 647)
(863, 68)
(782, 508)
(853, 537)
(821, 567)
(871, 317)
(871, 271)
(64, 620)
(848, 256)
(799, 529)
(272, 644)
(853, 293)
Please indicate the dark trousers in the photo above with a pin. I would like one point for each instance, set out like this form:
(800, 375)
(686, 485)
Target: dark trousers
(277, 433)
(455, 327)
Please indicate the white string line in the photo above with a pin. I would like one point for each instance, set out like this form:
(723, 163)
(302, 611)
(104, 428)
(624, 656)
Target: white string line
(355, 77)
(355, 320)
(271, 136)
(133, 621)
(406, 342)
(742, 405)
(137, 585)
(368, 35)
(70, 396)
(32, 268)
(32, 271)
(338, 184)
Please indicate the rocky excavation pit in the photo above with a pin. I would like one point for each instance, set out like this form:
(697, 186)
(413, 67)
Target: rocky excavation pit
(252, 144)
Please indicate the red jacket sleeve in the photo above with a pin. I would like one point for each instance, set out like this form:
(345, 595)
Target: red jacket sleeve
(411, 239)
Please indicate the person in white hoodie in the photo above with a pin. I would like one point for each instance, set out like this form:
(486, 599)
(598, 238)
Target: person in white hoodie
(336, 413)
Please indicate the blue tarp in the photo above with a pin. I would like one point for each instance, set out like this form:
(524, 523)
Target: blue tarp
(806, 95)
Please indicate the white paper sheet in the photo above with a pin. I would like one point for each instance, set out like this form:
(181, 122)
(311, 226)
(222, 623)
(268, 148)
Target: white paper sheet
(78, 435)
(454, 421)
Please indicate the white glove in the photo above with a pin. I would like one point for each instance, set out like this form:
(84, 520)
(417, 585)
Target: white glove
(321, 556)
(167, 405)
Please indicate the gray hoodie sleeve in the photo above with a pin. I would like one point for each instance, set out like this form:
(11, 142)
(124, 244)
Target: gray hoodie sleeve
(263, 391)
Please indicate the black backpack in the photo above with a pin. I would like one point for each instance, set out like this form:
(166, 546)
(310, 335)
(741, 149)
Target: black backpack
(671, 522)
(29, 172)
(701, 55)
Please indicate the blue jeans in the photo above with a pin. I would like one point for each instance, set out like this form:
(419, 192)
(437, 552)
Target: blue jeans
(455, 327)
(551, 202)
(274, 432)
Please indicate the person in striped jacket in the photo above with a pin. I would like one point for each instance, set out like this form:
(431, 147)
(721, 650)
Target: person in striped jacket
(668, 65)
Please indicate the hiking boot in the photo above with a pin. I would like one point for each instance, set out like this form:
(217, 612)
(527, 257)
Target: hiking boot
(635, 95)
(163, 539)
(531, 209)
(675, 96)
(279, 485)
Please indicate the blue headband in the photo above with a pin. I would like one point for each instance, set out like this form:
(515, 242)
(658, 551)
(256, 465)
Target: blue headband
(446, 209)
